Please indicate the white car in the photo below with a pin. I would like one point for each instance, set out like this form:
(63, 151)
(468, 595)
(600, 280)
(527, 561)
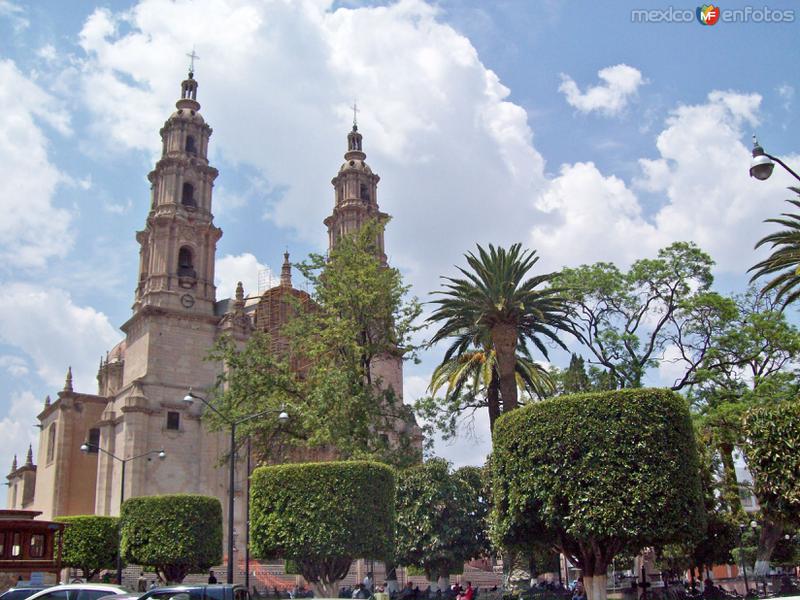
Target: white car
(79, 591)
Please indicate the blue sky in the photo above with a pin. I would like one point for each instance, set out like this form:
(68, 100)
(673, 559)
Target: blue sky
(564, 126)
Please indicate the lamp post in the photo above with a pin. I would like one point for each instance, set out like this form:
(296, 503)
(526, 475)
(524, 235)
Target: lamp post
(742, 527)
(283, 417)
(763, 164)
(85, 448)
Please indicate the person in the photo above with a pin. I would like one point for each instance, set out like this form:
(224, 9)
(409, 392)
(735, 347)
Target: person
(368, 582)
(407, 592)
(361, 592)
(152, 585)
(211, 577)
(141, 583)
(579, 593)
(469, 592)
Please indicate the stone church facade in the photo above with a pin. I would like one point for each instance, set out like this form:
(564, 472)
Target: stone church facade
(176, 319)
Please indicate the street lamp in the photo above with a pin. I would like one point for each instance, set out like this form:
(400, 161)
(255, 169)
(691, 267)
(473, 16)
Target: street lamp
(86, 447)
(283, 417)
(742, 527)
(763, 164)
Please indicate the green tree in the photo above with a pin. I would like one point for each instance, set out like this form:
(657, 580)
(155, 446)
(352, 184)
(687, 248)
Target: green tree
(750, 362)
(472, 383)
(90, 543)
(329, 379)
(497, 301)
(175, 534)
(596, 474)
(784, 262)
(321, 516)
(628, 319)
(441, 518)
(771, 443)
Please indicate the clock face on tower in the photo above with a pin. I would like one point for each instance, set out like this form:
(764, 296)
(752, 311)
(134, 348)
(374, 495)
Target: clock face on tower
(187, 301)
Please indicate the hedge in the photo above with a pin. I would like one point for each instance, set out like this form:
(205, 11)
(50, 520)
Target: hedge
(175, 534)
(608, 471)
(90, 543)
(323, 515)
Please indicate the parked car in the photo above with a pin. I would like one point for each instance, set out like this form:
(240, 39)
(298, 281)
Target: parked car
(214, 591)
(79, 591)
(21, 592)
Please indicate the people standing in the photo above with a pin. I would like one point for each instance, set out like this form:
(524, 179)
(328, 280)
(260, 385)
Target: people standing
(211, 577)
(141, 583)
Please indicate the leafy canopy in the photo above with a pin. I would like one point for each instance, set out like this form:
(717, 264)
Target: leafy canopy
(598, 473)
(321, 516)
(176, 534)
(441, 518)
(330, 374)
(90, 543)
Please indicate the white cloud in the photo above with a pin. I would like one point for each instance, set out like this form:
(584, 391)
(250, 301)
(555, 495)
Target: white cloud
(620, 84)
(47, 53)
(17, 429)
(229, 270)
(701, 178)
(15, 14)
(55, 333)
(15, 365)
(438, 127)
(786, 93)
(32, 229)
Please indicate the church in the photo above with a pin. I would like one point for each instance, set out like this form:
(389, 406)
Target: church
(138, 408)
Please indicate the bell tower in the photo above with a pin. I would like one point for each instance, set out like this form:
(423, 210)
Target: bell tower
(178, 243)
(356, 194)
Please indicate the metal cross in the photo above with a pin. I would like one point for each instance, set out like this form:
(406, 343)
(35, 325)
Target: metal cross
(193, 57)
(355, 111)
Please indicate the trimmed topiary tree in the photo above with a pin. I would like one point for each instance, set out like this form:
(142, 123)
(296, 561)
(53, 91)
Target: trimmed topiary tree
(90, 543)
(175, 534)
(596, 474)
(321, 516)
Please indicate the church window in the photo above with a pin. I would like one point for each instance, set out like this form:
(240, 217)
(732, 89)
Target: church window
(2, 544)
(14, 496)
(51, 442)
(94, 440)
(16, 544)
(173, 420)
(37, 546)
(364, 192)
(190, 147)
(187, 197)
(185, 263)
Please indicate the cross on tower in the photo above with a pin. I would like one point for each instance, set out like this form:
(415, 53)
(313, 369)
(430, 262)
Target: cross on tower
(355, 111)
(192, 57)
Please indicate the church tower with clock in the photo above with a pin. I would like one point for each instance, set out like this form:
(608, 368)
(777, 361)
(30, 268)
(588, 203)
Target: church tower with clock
(176, 319)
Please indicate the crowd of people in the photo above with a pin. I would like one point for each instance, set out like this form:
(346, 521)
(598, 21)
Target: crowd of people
(410, 591)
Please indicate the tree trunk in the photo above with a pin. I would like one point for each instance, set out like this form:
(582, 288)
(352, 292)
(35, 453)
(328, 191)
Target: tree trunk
(504, 340)
(599, 587)
(771, 532)
(493, 399)
(515, 572)
(588, 586)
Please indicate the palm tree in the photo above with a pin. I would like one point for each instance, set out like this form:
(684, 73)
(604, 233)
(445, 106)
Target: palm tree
(785, 258)
(497, 300)
(474, 374)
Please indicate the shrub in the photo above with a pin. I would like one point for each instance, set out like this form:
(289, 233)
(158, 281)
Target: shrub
(175, 534)
(321, 516)
(595, 474)
(90, 543)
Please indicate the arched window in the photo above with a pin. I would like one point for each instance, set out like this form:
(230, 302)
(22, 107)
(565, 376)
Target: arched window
(187, 197)
(364, 193)
(186, 263)
(190, 147)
